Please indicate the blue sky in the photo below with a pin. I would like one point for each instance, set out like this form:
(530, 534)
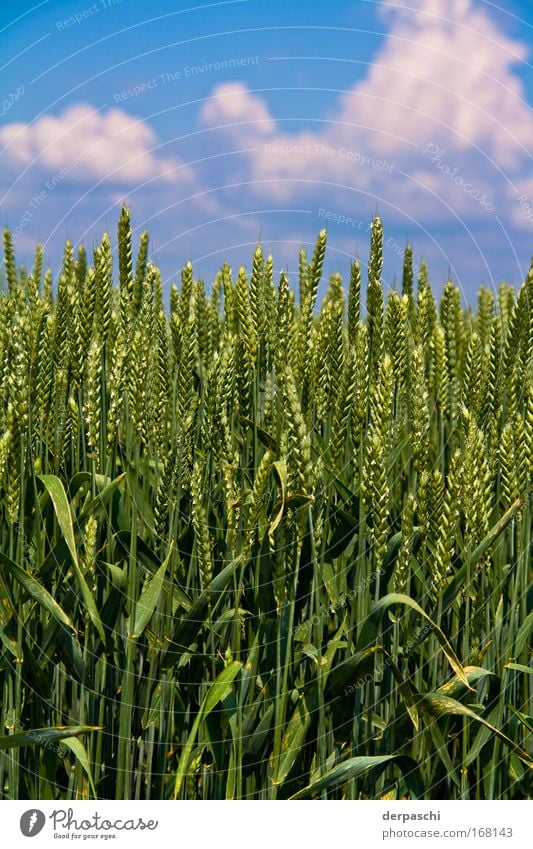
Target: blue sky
(221, 123)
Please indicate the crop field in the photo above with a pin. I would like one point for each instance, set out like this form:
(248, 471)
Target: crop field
(258, 545)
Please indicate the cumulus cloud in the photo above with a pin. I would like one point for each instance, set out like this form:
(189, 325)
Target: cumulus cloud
(450, 68)
(436, 136)
(523, 208)
(109, 145)
(443, 76)
(232, 105)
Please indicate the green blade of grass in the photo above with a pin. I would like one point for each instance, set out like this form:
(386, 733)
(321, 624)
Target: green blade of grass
(145, 607)
(37, 592)
(372, 624)
(439, 705)
(356, 767)
(58, 496)
(45, 736)
(78, 749)
(217, 692)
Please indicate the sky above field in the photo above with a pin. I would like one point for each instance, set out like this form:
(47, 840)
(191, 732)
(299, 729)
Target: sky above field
(224, 123)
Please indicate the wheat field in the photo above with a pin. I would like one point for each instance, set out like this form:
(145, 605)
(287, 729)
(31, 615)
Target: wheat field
(254, 545)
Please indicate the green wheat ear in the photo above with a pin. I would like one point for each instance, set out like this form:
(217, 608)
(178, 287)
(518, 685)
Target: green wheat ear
(298, 440)
(374, 483)
(201, 528)
(93, 405)
(408, 278)
(262, 545)
(9, 260)
(374, 297)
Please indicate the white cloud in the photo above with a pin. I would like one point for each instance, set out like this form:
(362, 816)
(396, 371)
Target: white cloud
(449, 62)
(108, 145)
(232, 104)
(523, 205)
(444, 75)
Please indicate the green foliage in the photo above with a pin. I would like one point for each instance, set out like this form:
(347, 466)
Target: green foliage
(254, 548)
